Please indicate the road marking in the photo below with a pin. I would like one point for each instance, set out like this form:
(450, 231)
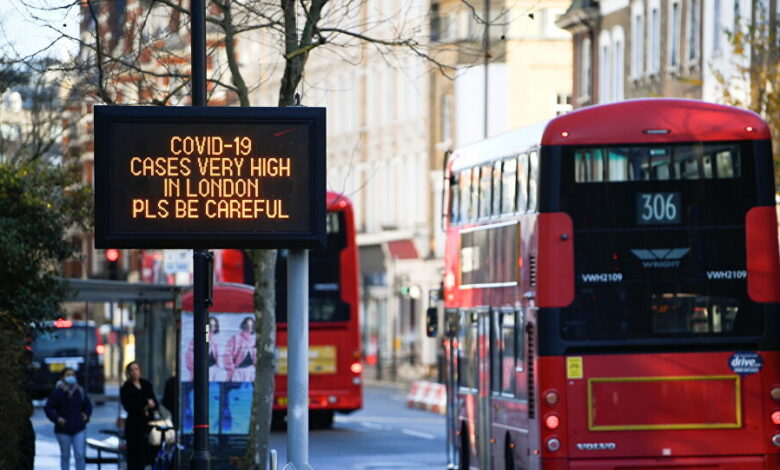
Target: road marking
(371, 425)
(412, 432)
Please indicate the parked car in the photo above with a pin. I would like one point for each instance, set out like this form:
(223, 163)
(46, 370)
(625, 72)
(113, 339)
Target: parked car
(66, 343)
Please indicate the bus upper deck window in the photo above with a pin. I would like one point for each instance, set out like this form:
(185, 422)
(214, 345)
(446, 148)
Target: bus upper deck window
(455, 199)
(465, 195)
(474, 206)
(727, 164)
(533, 181)
(485, 190)
(509, 186)
(496, 188)
(522, 182)
(617, 164)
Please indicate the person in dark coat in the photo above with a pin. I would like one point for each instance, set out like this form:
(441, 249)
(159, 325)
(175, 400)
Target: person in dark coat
(69, 409)
(137, 396)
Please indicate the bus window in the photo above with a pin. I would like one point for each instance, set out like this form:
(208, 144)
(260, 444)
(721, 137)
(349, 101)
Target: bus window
(496, 188)
(465, 195)
(474, 206)
(520, 337)
(485, 190)
(617, 164)
(727, 164)
(533, 181)
(495, 353)
(706, 166)
(509, 186)
(508, 353)
(687, 162)
(522, 182)
(589, 165)
(454, 199)
(467, 352)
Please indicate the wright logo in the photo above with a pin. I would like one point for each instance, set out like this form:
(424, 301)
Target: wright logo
(661, 257)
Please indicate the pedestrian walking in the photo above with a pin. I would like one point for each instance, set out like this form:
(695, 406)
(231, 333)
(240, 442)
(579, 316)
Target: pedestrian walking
(69, 409)
(137, 396)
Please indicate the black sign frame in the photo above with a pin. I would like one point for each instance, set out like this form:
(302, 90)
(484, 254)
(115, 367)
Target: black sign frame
(107, 235)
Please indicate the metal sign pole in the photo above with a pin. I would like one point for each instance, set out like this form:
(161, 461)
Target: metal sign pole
(298, 360)
(201, 459)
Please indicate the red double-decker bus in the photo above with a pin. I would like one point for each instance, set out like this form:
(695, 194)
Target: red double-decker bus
(612, 289)
(335, 365)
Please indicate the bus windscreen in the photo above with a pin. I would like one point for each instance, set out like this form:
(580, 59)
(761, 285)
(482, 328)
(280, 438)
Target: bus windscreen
(659, 241)
(325, 303)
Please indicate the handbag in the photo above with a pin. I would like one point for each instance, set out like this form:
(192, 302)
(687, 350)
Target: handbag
(156, 434)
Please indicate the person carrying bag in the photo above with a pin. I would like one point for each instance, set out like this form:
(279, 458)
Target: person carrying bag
(138, 400)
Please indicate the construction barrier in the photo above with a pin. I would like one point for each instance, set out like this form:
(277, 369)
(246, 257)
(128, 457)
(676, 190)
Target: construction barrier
(426, 395)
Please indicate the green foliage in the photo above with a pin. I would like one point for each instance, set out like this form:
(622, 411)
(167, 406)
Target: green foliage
(755, 81)
(39, 202)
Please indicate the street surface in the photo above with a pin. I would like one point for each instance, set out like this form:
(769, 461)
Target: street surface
(385, 434)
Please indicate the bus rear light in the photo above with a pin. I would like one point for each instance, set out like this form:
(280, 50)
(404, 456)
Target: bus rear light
(551, 398)
(776, 417)
(553, 444)
(776, 440)
(552, 421)
(100, 349)
(775, 393)
(356, 368)
(61, 323)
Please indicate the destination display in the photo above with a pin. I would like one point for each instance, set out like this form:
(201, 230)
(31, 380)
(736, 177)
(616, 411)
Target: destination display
(209, 177)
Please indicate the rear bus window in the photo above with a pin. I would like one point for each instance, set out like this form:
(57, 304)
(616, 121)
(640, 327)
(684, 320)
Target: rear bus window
(656, 163)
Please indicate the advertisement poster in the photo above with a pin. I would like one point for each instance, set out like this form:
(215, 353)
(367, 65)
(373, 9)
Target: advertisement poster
(232, 358)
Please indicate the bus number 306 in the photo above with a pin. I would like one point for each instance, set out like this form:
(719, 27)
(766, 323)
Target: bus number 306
(658, 208)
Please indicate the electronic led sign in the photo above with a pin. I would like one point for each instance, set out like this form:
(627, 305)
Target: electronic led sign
(207, 177)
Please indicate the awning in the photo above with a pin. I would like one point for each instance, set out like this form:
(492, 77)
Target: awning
(402, 249)
(93, 290)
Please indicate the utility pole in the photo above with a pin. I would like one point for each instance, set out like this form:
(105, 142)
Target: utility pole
(201, 458)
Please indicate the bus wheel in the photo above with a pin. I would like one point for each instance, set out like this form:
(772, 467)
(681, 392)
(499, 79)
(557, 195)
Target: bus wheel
(509, 458)
(464, 449)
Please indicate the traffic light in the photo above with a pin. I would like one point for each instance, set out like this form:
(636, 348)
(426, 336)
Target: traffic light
(112, 268)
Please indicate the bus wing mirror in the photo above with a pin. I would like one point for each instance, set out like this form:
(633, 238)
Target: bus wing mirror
(431, 322)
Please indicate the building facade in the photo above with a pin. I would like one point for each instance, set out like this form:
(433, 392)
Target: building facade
(627, 49)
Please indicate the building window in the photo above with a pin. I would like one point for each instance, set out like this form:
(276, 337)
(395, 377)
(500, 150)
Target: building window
(562, 103)
(435, 24)
(655, 38)
(605, 69)
(618, 67)
(446, 118)
(674, 34)
(637, 40)
(716, 26)
(693, 30)
(585, 69)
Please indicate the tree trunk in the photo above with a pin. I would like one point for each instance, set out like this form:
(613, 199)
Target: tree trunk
(264, 266)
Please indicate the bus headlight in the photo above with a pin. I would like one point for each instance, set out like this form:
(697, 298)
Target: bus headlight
(776, 440)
